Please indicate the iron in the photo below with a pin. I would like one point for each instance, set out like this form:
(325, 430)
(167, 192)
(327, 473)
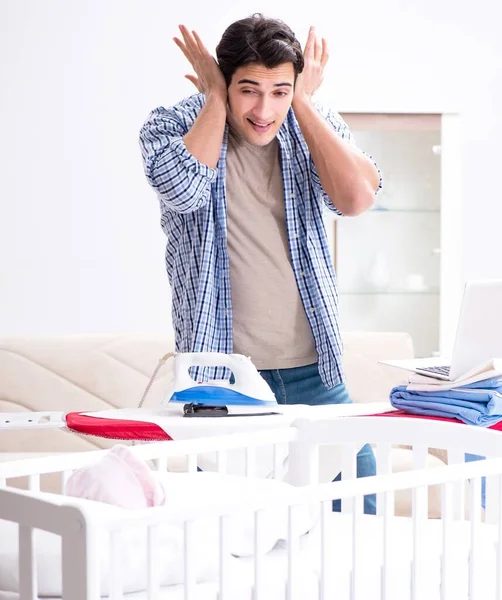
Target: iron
(248, 388)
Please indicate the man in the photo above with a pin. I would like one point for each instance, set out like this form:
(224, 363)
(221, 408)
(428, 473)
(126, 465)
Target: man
(243, 171)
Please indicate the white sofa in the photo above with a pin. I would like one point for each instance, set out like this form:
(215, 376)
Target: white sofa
(92, 372)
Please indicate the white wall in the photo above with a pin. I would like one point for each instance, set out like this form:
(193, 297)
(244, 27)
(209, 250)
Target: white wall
(81, 248)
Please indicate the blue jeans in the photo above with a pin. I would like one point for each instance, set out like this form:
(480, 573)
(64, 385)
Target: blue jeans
(473, 458)
(303, 385)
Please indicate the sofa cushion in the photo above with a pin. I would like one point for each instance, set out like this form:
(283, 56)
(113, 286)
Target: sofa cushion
(366, 379)
(75, 373)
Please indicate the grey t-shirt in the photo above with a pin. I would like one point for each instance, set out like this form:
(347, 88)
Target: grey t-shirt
(269, 320)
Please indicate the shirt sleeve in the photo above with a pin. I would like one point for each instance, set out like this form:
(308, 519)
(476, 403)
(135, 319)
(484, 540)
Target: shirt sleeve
(342, 129)
(182, 183)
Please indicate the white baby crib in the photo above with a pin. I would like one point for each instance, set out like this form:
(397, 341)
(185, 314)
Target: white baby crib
(318, 554)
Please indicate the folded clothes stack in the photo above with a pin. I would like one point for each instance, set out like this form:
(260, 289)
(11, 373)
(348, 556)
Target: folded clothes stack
(475, 402)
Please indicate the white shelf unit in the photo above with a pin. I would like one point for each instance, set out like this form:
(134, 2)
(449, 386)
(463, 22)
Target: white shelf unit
(399, 265)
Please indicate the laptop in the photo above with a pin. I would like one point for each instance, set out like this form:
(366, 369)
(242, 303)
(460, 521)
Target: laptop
(478, 338)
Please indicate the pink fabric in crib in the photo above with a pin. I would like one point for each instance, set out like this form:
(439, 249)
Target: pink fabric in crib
(118, 478)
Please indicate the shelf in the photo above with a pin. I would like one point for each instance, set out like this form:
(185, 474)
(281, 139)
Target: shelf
(387, 121)
(431, 292)
(404, 210)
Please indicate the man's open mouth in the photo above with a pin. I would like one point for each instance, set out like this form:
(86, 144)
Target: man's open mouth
(261, 126)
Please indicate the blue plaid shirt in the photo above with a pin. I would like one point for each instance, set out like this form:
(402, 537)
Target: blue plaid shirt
(194, 219)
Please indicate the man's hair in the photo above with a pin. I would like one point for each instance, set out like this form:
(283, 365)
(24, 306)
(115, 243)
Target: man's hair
(260, 40)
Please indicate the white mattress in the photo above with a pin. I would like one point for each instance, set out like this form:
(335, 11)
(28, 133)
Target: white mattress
(275, 576)
(370, 554)
(370, 549)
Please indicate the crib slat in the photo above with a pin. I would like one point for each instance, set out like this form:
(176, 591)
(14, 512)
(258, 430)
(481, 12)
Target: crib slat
(221, 461)
(419, 515)
(116, 581)
(447, 570)
(388, 513)
(420, 452)
(161, 463)
(384, 466)
(191, 463)
(474, 554)
(152, 557)
(34, 482)
(259, 587)
(492, 500)
(27, 564)
(292, 591)
(385, 507)
(418, 574)
(498, 568)
(250, 461)
(224, 592)
(349, 471)
(276, 462)
(327, 591)
(303, 463)
(357, 570)
(189, 566)
(65, 475)
(455, 457)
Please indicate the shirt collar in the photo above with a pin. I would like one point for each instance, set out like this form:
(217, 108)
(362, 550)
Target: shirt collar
(284, 135)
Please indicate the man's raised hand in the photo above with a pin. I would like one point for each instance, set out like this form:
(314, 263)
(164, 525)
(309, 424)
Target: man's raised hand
(208, 78)
(316, 56)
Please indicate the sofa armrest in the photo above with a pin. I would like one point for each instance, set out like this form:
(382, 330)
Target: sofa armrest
(366, 379)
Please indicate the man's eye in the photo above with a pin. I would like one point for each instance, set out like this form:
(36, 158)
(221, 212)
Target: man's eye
(248, 91)
(281, 94)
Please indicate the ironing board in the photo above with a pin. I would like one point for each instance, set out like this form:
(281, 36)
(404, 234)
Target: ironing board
(167, 423)
(153, 423)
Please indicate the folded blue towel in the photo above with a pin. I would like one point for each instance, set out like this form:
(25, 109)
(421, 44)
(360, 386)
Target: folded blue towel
(478, 403)
(494, 383)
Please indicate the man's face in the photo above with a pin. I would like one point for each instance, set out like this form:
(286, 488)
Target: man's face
(259, 100)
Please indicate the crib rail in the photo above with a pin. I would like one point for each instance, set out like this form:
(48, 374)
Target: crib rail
(322, 496)
(337, 542)
(82, 551)
(159, 453)
(425, 433)
(67, 522)
(314, 493)
(453, 441)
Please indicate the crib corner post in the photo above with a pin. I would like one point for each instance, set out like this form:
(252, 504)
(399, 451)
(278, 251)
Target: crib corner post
(80, 563)
(303, 458)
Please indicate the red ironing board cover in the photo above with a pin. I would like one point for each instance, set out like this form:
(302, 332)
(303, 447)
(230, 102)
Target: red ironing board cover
(115, 429)
(122, 429)
(402, 413)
